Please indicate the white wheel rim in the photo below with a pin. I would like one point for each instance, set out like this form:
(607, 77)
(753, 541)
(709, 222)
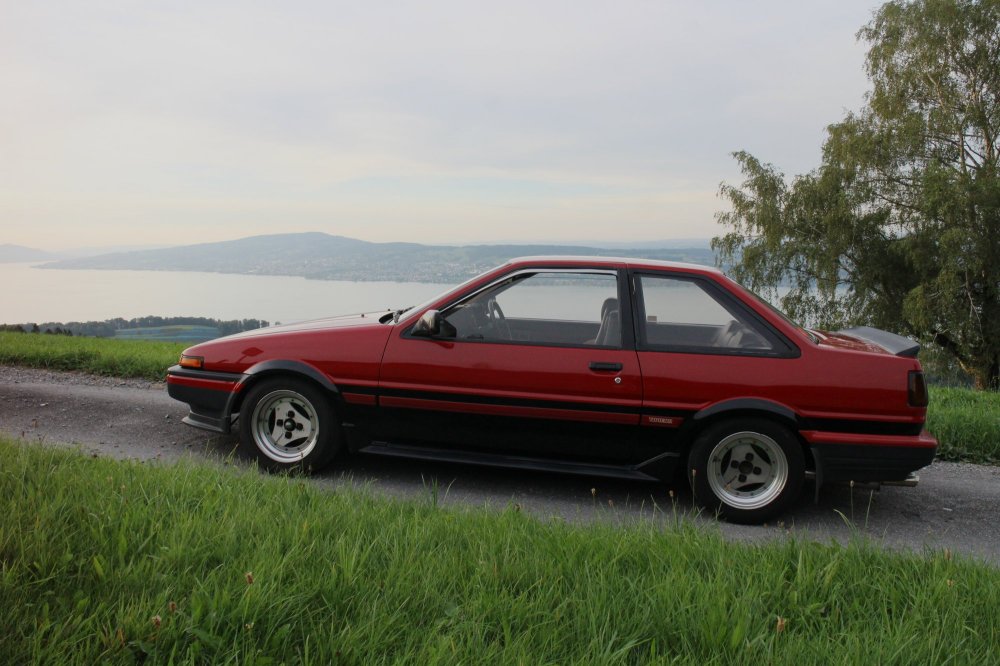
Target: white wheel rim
(284, 426)
(747, 470)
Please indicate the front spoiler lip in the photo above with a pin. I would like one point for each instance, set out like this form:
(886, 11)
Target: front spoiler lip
(210, 396)
(222, 426)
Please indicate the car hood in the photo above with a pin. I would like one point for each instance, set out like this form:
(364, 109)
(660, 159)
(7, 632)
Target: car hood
(327, 323)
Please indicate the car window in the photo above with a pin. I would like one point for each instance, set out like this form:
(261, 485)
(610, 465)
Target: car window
(684, 313)
(545, 307)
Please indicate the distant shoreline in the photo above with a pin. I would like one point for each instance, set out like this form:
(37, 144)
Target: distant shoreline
(319, 256)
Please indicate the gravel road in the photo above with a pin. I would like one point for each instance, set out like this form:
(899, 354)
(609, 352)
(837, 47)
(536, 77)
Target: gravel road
(955, 506)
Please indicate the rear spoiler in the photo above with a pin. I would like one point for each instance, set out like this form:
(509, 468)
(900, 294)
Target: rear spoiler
(892, 343)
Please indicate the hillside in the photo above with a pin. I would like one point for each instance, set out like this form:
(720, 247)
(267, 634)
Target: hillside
(326, 257)
(12, 253)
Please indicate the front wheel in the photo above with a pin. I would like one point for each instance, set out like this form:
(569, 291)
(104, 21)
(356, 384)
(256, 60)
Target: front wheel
(287, 423)
(747, 470)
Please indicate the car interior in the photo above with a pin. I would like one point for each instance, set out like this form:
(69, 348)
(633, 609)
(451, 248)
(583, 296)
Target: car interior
(687, 317)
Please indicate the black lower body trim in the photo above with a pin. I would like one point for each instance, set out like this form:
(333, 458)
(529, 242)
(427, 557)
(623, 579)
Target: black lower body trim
(223, 426)
(861, 427)
(851, 462)
(210, 408)
(511, 402)
(652, 470)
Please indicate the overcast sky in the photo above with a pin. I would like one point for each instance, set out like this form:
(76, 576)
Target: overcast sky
(126, 123)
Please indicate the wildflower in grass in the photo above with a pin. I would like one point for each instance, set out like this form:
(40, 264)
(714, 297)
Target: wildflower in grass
(248, 626)
(172, 607)
(157, 621)
(780, 625)
(950, 582)
(593, 492)
(249, 577)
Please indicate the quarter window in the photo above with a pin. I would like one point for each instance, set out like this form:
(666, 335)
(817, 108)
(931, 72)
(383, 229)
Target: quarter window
(686, 314)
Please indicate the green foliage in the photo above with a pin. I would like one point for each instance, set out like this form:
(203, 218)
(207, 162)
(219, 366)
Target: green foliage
(112, 562)
(99, 356)
(897, 227)
(966, 423)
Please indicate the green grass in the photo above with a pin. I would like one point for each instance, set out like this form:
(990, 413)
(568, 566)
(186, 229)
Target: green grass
(100, 356)
(966, 422)
(106, 561)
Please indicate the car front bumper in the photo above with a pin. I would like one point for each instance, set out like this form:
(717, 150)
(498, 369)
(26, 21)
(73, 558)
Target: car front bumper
(209, 395)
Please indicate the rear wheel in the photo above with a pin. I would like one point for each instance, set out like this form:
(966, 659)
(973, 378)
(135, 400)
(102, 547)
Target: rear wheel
(287, 423)
(748, 470)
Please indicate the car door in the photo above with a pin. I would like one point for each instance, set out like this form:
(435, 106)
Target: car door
(538, 364)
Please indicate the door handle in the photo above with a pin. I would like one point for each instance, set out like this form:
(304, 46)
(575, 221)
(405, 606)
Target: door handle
(605, 367)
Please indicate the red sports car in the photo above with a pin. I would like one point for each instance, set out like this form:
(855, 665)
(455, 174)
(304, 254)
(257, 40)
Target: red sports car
(591, 365)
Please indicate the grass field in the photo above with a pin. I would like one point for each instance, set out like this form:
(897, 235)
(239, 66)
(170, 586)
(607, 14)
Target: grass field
(100, 356)
(966, 422)
(106, 561)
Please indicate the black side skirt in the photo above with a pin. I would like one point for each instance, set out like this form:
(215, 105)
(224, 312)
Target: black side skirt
(655, 469)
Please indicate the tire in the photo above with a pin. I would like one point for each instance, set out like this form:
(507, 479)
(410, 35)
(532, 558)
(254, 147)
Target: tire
(287, 423)
(746, 470)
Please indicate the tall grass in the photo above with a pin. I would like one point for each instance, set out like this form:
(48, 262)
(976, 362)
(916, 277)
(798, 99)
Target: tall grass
(966, 423)
(100, 356)
(106, 561)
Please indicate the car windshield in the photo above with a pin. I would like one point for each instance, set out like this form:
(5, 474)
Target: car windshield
(406, 313)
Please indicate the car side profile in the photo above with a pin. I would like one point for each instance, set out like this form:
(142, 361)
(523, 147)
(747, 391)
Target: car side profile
(590, 365)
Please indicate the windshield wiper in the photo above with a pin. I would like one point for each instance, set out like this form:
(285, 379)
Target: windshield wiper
(395, 315)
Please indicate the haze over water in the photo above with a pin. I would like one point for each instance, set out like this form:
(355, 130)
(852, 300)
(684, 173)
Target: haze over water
(37, 295)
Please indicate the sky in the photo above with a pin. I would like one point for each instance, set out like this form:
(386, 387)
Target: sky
(166, 123)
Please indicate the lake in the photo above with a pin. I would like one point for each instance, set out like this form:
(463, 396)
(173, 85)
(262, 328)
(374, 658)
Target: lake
(35, 295)
(38, 295)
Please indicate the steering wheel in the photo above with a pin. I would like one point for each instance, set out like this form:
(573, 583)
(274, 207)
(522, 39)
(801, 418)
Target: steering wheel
(496, 317)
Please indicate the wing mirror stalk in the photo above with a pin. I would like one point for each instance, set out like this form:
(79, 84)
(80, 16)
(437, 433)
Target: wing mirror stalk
(432, 324)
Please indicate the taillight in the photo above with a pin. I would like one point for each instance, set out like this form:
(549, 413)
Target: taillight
(917, 389)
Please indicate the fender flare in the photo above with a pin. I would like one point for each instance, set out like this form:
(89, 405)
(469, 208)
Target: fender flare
(748, 405)
(253, 374)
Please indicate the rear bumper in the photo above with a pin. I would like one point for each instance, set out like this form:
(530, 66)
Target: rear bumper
(210, 396)
(854, 457)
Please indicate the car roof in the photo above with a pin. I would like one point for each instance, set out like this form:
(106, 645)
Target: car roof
(610, 262)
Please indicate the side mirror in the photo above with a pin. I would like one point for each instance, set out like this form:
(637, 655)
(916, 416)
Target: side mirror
(433, 325)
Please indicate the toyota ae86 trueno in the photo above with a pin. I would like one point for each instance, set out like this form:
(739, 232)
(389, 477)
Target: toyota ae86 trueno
(618, 367)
